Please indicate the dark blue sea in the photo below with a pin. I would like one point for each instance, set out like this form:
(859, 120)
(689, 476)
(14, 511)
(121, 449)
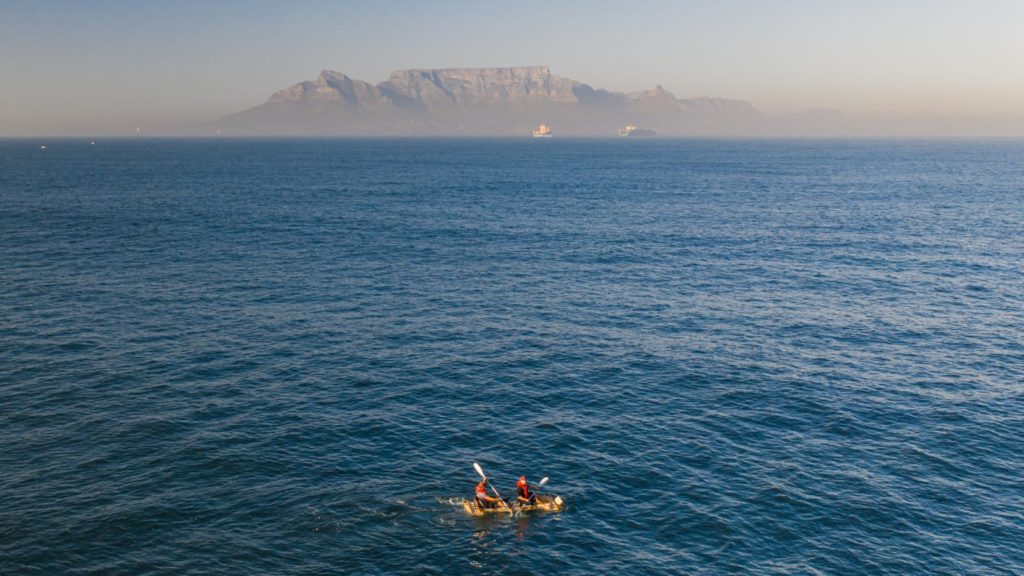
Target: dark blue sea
(729, 357)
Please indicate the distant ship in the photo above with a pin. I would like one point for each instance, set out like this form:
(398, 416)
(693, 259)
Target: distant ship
(632, 130)
(542, 131)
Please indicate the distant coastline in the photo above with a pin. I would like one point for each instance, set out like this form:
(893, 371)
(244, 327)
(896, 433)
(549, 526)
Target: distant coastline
(493, 102)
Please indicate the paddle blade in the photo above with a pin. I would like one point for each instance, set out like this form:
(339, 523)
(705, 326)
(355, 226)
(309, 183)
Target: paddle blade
(479, 470)
(543, 481)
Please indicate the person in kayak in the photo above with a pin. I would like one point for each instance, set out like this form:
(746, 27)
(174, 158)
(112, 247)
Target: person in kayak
(482, 499)
(523, 493)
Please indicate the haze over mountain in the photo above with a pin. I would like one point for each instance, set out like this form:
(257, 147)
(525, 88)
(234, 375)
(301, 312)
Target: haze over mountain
(906, 68)
(490, 101)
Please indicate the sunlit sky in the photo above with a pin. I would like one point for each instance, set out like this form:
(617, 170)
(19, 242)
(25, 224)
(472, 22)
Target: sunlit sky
(94, 66)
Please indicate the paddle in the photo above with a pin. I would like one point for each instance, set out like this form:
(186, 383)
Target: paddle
(536, 492)
(480, 471)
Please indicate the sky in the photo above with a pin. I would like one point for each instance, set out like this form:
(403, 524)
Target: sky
(107, 66)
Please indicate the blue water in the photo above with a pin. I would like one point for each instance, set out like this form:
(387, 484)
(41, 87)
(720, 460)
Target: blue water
(283, 357)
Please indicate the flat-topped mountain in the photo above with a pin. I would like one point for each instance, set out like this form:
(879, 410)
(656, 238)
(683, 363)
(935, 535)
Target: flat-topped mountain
(474, 86)
(481, 101)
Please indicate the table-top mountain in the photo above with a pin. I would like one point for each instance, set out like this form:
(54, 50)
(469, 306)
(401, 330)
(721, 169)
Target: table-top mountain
(481, 101)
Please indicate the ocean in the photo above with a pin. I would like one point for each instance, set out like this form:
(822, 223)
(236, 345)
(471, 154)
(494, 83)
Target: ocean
(729, 356)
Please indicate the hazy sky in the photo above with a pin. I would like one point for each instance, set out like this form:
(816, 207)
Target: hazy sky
(104, 65)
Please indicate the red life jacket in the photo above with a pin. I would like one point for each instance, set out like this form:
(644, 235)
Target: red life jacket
(523, 489)
(481, 488)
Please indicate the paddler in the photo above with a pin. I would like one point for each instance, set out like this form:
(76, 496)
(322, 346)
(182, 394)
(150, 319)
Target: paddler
(523, 493)
(482, 499)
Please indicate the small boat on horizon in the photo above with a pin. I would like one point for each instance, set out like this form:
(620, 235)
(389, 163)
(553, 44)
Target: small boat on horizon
(542, 131)
(634, 131)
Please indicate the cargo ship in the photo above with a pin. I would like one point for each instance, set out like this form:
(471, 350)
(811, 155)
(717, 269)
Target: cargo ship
(542, 131)
(632, 130)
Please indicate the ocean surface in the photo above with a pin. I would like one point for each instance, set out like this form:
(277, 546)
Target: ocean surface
(283, 357)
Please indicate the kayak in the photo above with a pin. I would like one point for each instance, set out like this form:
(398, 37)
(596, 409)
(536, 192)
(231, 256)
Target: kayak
(544, 503)
(474, 509)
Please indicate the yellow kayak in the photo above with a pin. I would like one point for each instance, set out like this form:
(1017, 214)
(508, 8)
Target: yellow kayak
(544, 503)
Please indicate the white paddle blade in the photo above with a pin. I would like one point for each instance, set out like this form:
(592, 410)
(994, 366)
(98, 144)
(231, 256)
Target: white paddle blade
(542, 482)
(479, 470)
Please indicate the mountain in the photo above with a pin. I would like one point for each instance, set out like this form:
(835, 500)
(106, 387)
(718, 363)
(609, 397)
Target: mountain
(482, 101)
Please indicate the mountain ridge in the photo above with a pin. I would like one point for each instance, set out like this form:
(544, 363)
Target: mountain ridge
(481, 101)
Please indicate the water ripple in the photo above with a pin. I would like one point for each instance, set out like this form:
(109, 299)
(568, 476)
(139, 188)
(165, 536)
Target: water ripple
(276, 357)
